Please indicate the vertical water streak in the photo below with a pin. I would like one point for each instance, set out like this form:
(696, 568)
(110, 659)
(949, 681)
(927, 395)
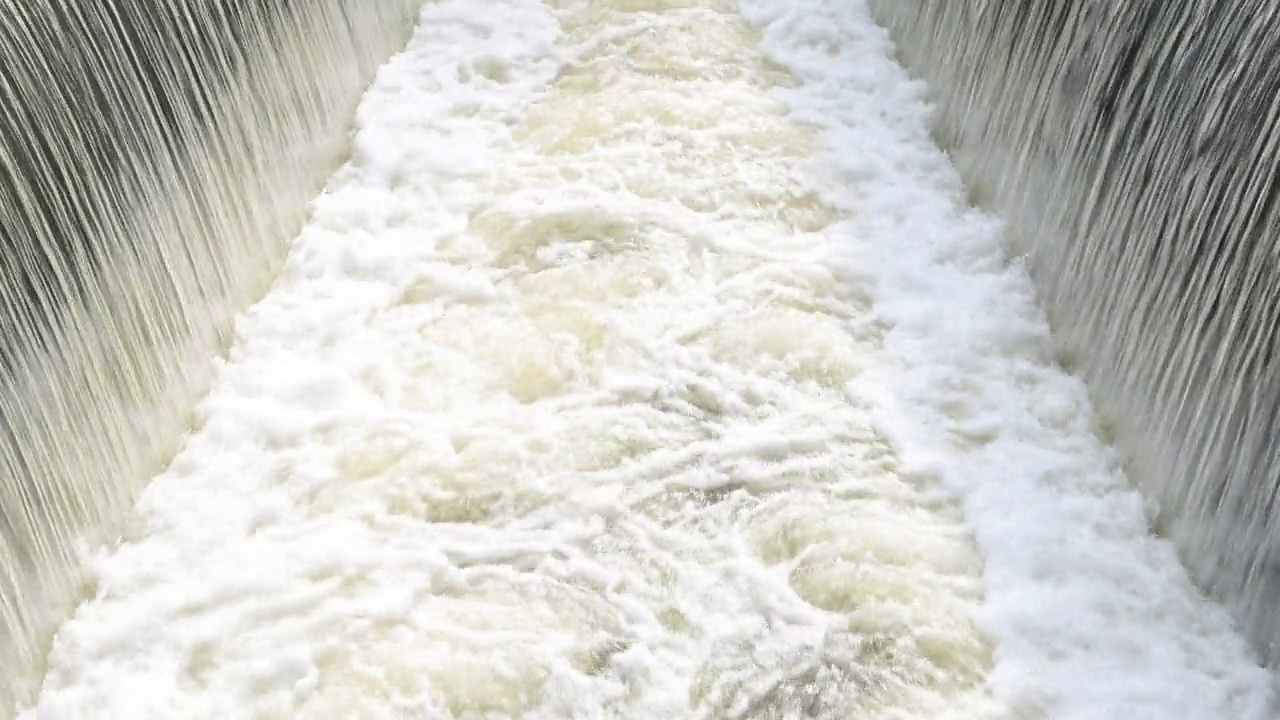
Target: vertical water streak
(154, 160)
(1134, 148)
(546, 418)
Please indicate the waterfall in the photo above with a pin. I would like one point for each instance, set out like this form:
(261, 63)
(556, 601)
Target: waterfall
(1134, 150)
(636, 359)
(155, 158)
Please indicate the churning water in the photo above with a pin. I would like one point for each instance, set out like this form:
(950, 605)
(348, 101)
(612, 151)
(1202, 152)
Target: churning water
(644, 361)
(1135, 148)
(155, 158)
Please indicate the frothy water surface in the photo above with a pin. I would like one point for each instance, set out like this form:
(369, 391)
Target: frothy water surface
(156, 158)
(598, 388)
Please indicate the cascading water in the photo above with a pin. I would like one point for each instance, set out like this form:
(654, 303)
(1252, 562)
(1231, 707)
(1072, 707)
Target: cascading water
(645, 360)
(154, 160)
(1135, 149)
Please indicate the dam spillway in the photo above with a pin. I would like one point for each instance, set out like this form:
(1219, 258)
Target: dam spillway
(155, 159)
(1135, 150)
(645, 358)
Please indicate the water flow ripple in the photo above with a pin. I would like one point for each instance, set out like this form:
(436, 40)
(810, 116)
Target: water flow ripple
(1091, 616)
(641, 365)
(155, 159)
(547, 418)
(1134, 147)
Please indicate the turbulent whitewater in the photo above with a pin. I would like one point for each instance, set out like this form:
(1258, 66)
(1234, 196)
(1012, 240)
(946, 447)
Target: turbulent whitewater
(645, 362)
(155, 161)
(1134, 148)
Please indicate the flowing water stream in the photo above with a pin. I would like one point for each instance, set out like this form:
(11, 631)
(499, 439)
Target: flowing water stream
(645, 360)
(1134, 148)
(155, 159)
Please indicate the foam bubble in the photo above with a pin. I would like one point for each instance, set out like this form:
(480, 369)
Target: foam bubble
(1093, 617)
(589, 393)
(547, 418)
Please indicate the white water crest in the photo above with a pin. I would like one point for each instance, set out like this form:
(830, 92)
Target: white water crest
(642, 363)
(156, 160)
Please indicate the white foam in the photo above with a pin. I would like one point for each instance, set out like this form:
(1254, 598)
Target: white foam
(572, 402)
(546, 419)
(1093, 617)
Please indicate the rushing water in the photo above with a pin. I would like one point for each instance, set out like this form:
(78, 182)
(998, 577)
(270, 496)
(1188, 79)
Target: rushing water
(1135, 148)
(154, 160)
(645, 361)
